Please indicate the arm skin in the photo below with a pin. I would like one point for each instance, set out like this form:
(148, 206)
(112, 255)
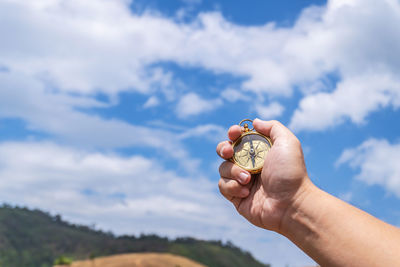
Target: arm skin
(283, 199)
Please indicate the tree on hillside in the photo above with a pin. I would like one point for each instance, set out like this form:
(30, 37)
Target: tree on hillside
(62, 260)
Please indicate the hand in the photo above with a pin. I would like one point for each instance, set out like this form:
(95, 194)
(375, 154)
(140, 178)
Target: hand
(263, 199)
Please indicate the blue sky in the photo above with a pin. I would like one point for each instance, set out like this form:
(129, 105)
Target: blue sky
(110, 111)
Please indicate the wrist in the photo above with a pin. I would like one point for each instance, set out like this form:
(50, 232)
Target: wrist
(297, 208)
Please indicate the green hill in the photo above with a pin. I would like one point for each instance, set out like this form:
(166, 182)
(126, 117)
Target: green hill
(35, 238)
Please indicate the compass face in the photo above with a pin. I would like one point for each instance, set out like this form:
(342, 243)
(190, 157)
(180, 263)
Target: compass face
(250, 151)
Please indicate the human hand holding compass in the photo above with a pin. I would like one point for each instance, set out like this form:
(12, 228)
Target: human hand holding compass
(262, 198)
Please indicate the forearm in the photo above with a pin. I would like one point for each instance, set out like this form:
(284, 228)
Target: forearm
(335, 233)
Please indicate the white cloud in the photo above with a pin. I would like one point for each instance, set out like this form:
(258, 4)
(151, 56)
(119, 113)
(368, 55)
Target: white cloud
(85, 52)
(353, 98)
(129, 195)
(55, 113)
(212, 132)
(378, 162)
(233, 95)
(272, 111)
(192, 104)
(75, 46)
(364, 57)
(152, 102)
(57, 178)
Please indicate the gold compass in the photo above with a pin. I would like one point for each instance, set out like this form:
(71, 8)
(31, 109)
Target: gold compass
(250, 149)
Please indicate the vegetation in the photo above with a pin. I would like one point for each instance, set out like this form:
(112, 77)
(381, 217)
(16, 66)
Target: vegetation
(35, 238)
(62, 260)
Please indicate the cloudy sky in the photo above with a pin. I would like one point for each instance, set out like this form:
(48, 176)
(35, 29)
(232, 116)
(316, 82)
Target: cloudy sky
(110, 110)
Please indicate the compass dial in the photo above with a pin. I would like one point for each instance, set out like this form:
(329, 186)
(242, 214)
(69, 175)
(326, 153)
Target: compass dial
(250, 151)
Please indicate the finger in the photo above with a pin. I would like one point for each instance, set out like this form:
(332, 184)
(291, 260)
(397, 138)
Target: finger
(232, 189)
(273, 129)
(229, 170)
(225, 150)
(234, 132)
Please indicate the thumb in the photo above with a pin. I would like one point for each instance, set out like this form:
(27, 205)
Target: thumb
(273, 129)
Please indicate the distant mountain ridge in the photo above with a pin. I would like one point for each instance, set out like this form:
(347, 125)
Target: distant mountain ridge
(33, 238)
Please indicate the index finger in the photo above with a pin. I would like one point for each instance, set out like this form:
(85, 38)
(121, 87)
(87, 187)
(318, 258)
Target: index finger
(234, 132)
(224, 149)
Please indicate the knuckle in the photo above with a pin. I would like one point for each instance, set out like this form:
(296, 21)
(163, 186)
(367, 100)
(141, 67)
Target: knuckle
(218, 148)
(232, 187)
(233, 127)
(276, 122)
(221, 167)
(227, 188)
(224, 168)
(220, 185)
(224, 188)
(235, 171)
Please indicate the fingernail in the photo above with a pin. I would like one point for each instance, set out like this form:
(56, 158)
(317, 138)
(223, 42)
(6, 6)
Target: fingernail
(221, 152)
(243, 177)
